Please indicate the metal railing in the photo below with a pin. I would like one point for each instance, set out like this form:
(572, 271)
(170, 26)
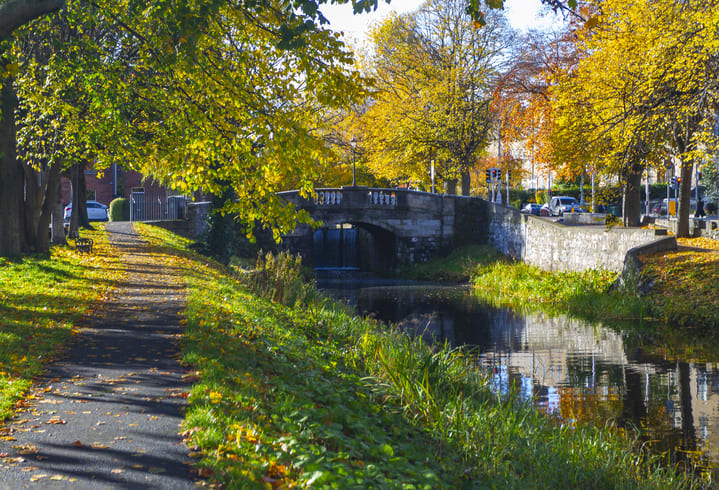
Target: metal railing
(156, 207)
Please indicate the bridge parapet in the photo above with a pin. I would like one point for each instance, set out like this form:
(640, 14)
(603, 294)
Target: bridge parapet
(373, 197)
(412, 225)
(361, 197)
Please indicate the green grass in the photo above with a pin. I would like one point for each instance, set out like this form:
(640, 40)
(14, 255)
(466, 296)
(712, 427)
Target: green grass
(42, 298)
(301, 392)
(503, 282)
(455, 267)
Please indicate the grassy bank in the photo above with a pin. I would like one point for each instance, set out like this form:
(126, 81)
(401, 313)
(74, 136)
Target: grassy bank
(685, 285)
(298, 391)
(42, 299)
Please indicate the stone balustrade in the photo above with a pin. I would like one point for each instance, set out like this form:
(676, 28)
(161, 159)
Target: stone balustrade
(382, 197)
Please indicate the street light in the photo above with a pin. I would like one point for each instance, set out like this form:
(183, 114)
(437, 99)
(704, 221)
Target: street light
(353, 144)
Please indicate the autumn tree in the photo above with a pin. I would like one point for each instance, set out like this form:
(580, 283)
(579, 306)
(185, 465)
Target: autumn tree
(433, 72)
(207, 94)
(644, 89)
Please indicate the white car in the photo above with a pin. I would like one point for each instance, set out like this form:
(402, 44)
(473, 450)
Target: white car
(96, 211)
(564, 204)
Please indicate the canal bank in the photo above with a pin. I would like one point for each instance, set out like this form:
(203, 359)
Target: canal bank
(667, 378)
(575, 370)
(313, 394)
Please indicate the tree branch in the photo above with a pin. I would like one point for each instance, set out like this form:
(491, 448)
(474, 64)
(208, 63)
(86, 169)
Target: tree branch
(16, 13)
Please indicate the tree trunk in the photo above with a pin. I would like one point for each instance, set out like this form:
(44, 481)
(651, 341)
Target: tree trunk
(34, 192)
(78, 217)
(451, 187)
(58, 225)
(631, 196)
(82, 203)
(74, 230)
(466, 182)
(685, 191)
(12, 233)
(50, 190)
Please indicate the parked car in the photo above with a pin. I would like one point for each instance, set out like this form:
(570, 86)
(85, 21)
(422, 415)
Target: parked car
(660, 209)
(544, 210)
(564, 204)
(96, 211)
(531, 208)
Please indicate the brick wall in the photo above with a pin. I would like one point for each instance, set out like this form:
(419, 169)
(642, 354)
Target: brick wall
(102, 184)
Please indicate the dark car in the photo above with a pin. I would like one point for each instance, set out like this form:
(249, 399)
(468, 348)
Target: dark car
(531, 208)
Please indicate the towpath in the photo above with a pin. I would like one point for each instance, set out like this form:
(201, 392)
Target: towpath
(109, 414)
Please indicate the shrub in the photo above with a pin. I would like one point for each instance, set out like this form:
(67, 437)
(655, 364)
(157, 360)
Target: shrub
(278, 277)
(120, 209)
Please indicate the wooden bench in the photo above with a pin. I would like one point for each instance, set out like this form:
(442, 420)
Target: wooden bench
(83, 245)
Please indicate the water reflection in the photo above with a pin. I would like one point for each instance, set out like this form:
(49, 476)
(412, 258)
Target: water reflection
(570, 368)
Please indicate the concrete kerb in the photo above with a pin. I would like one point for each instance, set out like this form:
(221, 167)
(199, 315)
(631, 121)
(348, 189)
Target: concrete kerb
(630, 278)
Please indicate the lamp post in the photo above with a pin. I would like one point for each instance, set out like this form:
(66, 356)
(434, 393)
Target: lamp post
(431, 174)
(353, 144)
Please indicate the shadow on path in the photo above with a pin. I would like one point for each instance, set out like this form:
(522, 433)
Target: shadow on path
(109, 415)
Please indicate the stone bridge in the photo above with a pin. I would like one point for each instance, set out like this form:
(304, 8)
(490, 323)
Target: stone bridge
(374, 229)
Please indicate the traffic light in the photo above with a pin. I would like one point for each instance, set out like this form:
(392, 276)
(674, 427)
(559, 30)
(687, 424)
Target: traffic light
(488, 173)
(673, 182)
(699, 175)
(497, 175)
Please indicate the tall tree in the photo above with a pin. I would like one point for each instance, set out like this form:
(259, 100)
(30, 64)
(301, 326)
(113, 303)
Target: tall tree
(434, 72)
(185, 50)
(644, 88)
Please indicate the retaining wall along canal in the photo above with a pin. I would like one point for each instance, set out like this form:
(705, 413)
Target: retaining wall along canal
(557, 247)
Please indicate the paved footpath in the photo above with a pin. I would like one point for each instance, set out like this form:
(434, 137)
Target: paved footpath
(109, 414)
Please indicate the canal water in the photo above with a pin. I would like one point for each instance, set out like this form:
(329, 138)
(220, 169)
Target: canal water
(568, 367)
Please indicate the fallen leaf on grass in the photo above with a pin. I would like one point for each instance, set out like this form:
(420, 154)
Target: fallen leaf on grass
(117, 471)
(97, 445)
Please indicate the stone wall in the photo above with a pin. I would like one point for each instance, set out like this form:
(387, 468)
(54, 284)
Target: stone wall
(556, 247)
(708, 228)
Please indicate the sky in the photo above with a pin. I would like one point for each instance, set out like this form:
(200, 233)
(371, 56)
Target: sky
(522, 14)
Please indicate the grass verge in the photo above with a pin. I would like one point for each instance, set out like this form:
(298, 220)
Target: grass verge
(685, 288)
(301, 392)
(42, 299)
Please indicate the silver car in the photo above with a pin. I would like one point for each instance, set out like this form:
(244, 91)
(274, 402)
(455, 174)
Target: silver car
(96, 211)
(564, 204)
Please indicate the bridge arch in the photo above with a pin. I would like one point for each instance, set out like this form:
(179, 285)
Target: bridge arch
(354, 245)
(393, 226)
